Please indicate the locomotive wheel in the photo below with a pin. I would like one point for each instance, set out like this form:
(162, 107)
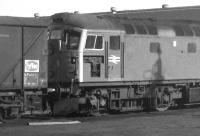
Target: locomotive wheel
(162, 100)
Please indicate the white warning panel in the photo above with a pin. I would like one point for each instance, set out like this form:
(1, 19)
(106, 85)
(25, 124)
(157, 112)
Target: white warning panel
(31, 66)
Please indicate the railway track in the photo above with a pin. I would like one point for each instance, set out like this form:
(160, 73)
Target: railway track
(97, 117)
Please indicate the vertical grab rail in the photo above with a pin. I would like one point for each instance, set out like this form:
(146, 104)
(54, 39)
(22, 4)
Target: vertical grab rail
(122, 60)
(106, 59)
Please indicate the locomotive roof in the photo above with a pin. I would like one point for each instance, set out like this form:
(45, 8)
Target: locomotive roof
(87, 21)
(176, 13)
(24, 21)
(110, 21)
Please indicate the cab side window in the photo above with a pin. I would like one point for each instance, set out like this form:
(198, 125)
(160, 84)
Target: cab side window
(99, 42)
(90, 42)
(192, 47)
(94, 42)
(114, 42)
(155, 47)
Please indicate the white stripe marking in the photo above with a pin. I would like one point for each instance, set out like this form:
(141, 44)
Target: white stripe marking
(53, 123)
(81, 48)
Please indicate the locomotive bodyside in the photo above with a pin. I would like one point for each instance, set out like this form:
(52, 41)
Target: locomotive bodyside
(146, 57)
(173, 61)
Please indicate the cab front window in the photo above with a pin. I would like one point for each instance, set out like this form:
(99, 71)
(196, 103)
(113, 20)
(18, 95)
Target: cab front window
(72, 39)
(56, 35)
(67, 39)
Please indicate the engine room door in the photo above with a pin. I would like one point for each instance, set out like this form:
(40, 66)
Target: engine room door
(114, 57)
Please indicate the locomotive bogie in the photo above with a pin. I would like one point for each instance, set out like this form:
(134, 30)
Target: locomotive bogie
(130, 98)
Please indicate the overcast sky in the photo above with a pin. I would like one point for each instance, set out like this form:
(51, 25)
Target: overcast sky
(48, 7)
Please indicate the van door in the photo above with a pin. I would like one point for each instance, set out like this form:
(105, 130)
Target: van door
(114, 49)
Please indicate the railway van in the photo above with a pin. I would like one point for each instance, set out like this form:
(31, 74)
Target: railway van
(23, 60)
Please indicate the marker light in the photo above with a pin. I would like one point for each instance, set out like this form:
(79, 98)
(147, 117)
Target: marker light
(174, 44)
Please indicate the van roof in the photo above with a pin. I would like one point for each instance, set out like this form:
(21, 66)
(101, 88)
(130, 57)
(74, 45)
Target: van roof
(24, 21)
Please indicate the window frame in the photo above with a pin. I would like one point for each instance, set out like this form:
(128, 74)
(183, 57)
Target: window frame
(196, 31)
(119, 42)
(68, 46)
(96, 35)
(152, 49)
(190, 49)
(138, 27)
(151, 27)
(127, 27)
(187, 29)
(179, 31)
(65, 46)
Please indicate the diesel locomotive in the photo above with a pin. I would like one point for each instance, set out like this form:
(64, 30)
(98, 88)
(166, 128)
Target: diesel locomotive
(106, 62)
(100, 62)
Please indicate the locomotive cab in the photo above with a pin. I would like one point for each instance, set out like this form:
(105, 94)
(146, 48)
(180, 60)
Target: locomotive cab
(81, 57)
(63, 54)
(84, 56)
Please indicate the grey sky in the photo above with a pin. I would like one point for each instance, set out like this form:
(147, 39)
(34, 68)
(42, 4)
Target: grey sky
(49, 7)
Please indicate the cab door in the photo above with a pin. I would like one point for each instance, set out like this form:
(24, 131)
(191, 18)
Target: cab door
(114, 52)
